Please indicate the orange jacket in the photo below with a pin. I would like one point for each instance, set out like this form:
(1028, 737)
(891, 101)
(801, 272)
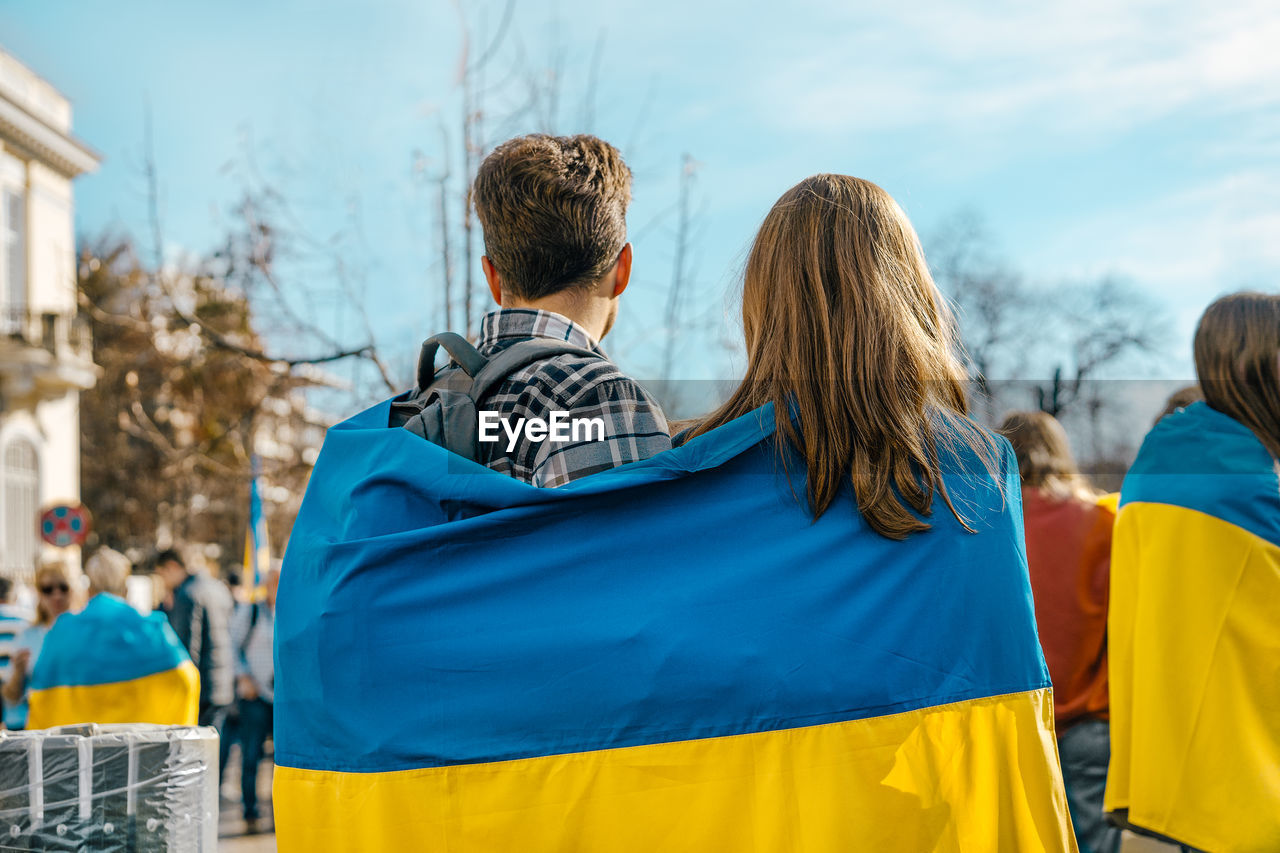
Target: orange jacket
(1069, 555)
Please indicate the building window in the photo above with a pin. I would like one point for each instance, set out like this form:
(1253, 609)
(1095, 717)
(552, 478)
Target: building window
(21, 509)
(13, 261)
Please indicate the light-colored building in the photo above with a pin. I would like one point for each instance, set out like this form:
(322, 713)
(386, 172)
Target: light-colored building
(45, 354)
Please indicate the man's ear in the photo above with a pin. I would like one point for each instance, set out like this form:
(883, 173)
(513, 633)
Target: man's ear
(491, 276)
(622, 272)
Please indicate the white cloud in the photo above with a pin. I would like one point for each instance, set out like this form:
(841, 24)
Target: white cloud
(1079, 67)
(1210, 237)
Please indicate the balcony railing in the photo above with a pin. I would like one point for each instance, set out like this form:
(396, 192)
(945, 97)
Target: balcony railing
(60, 334)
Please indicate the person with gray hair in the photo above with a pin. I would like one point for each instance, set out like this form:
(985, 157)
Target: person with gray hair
(108, 571)
(111, 664)
(12, 623)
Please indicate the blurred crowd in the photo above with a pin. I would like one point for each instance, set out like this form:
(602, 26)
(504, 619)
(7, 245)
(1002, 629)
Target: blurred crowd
(221, 628)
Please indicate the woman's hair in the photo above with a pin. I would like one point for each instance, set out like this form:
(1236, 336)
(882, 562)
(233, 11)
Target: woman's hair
(1180, 399)
(108, 571)
(846, 331)
(1044, 455)
(51, 571)
(1237, 350)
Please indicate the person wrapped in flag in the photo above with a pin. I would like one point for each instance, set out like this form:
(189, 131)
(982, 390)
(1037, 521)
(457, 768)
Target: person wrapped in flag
(110, 664)
(808, 627)
(1194, 626)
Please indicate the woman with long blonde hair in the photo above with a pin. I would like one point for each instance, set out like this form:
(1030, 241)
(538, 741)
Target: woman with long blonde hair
(54, 597)
(1194, 628)
(850, 340)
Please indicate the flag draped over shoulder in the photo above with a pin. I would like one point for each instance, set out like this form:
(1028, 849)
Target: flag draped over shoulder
(111, 664)
(672, 655)
(1195, 637)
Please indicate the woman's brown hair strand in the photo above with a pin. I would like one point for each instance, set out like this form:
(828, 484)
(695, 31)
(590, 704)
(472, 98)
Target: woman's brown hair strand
(846, 331)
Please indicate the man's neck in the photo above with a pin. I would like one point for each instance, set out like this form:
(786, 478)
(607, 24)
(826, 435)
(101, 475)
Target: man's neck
(591, 315)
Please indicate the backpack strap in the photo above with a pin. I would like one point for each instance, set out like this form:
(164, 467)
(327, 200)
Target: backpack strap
(464, 421)
(459, 349)
(444, 408)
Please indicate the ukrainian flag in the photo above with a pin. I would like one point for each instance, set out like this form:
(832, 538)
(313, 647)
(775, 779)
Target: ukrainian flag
(257, 545)
(669, 656)
(1195, 637)
(111, 664)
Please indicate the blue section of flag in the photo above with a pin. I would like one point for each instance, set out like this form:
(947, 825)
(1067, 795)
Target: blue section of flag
(1200, 459)
(429, 617)
(73, 655)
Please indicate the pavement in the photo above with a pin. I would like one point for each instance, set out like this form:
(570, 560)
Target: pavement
(231, 828)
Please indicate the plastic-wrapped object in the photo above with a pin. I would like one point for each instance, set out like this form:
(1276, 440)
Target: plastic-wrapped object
(109, 789)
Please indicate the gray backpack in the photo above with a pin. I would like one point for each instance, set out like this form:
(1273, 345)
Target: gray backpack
(444, 407)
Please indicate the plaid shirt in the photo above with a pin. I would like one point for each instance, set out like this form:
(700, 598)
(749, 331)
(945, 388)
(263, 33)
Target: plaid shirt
(635, 427)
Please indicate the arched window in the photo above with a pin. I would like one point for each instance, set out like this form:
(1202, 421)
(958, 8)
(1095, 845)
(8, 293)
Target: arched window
(21, 508)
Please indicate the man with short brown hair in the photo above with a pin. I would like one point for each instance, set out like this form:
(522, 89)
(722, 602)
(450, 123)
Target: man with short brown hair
(557, 260)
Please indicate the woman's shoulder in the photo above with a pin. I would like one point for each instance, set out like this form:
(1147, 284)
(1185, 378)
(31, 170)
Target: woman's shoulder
(1202, 460)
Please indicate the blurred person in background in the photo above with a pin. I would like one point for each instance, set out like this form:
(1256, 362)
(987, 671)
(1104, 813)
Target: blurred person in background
(230, 732)
(12, 621)
(1068, 535)
(1180, 399)
(199, 609)
(253, 636)
(234, 582)
(109, 663)
(53, 591)
(1194, 629)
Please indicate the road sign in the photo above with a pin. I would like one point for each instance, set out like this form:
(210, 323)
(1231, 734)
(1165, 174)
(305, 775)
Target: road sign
(65, 525)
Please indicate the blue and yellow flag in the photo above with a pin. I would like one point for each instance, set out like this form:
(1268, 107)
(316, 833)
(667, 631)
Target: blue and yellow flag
(110, 664)
(257, 545)
(1195, 637)
(672, 655)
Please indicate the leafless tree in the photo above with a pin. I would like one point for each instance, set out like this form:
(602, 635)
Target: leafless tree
(503, 89)
(1102, 323)
(675, 309)
(256, 247)
(470, 79)
(994, 305)
(200, 354)
(1011, 329)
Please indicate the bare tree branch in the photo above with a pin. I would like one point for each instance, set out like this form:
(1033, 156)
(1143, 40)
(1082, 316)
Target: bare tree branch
(593, 81)
(675, 295)
(504, 23)
(214, 337)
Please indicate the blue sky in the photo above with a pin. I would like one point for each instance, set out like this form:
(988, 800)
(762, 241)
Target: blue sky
(1135, 138)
